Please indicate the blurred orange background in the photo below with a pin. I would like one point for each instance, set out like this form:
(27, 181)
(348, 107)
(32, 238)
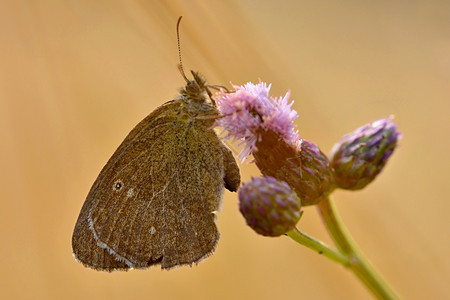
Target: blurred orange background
(76, 76)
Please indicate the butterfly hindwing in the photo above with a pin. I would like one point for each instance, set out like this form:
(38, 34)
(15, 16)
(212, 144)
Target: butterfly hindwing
(155, 199)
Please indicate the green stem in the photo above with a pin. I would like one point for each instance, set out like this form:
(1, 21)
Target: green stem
(358, 263)
(316, 245)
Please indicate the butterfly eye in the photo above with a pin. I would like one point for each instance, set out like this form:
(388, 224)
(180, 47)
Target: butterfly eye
(117, 186)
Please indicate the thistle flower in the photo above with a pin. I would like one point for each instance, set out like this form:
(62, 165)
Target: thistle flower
(265, 125)
(269, 206)
(250, 111)
(361, 155)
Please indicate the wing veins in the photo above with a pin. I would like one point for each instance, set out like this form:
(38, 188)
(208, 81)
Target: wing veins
(99, 242)
(131, 143)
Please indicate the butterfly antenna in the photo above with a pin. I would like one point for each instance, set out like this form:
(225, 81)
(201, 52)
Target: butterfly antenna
(180, 66)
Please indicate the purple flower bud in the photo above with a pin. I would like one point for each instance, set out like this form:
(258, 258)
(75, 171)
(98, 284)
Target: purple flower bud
(269, 206)
(361, 155)
(307, 171)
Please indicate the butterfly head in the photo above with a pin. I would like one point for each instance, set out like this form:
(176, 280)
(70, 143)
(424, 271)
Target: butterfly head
(197, 89)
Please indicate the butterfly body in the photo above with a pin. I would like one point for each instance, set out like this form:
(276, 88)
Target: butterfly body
(155, 199)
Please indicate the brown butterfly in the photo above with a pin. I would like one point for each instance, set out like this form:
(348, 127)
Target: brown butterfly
(155, 200)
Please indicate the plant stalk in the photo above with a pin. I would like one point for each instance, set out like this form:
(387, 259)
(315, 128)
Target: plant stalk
(359, 264)
(318, 246)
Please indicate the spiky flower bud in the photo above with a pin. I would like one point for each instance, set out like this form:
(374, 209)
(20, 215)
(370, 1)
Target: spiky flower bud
(316, 176)
(269, 206)
(307, 171)
(361, 155)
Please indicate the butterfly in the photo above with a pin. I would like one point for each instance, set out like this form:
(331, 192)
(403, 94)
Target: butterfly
(155, 201)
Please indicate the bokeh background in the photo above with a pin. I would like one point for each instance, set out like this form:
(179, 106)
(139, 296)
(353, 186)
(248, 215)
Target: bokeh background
(76, 76)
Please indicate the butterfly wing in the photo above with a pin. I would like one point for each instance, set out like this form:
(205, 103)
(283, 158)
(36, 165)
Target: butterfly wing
(155, 199)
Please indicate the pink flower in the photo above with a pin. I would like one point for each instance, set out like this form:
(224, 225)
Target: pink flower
(249, 111)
